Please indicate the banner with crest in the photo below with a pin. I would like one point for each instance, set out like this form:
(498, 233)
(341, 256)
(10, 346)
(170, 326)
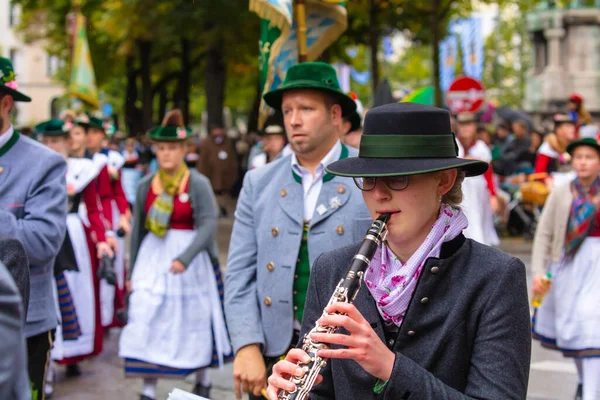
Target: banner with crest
(326, 20)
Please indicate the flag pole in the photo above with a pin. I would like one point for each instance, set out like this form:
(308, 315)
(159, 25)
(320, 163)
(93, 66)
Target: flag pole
(72, 25)
(300, 8)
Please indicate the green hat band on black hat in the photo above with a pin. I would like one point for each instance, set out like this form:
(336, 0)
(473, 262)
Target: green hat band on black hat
(170, 134)
(53, 127)
(408, 146)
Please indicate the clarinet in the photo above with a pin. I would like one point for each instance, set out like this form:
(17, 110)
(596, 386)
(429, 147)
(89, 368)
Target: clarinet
(345, 292)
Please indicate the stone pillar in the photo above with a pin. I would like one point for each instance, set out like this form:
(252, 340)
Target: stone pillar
(554, 36)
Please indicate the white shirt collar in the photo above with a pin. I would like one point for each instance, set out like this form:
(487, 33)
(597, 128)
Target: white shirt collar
(333, 155)
(5, 137)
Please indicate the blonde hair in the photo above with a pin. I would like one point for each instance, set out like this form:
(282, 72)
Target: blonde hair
(455, 195)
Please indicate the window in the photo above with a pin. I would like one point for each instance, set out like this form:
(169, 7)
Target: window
(52, 65)
(13, 16)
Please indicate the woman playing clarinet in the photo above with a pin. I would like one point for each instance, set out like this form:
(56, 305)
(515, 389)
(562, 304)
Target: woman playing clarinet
(439, 316)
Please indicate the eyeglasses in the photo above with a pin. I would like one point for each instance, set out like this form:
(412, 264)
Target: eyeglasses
(397, 183)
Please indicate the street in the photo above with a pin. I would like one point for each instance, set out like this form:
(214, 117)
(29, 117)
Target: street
(552, 377)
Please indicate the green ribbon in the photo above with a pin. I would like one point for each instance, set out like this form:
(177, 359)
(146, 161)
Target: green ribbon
(379, 386)
(408, 146)
(11, 142)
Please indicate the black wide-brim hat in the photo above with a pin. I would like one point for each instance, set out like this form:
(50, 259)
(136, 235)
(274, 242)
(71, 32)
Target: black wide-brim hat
(406, 139)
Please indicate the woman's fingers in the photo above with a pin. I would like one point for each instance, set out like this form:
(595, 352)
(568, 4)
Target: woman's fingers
(350, 310)
(337, 353)
(282, 371)
(280, 383)
(287, 368)
(339, 320)
(335, 338)
(272, 392)
(296, 355)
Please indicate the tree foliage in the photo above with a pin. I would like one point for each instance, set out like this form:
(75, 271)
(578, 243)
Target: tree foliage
(507, 54)
(152, 54)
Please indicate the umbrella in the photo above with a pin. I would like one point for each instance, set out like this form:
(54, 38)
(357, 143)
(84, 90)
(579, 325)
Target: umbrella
(421, 96)
(383, 94)
(511, 115)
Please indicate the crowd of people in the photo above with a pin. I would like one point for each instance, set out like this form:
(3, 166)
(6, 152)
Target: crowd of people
(440, 305)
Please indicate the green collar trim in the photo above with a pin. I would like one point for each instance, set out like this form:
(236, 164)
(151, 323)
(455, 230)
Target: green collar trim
(328, 176)
(11, 142)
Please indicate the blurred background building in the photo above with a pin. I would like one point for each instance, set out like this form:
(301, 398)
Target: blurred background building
(34, 68)
(566, 52)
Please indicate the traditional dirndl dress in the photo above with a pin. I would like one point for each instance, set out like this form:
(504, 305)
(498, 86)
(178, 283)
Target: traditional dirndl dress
(111, 296)
(569, 318)
(175, 321)
(476, 200)
(82, 206)
(557, 165)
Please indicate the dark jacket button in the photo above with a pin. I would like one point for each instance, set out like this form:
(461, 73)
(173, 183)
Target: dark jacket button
(411, 333)
(435, 270)
(425, 300)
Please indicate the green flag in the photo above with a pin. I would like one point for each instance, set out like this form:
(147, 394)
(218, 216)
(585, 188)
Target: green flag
(83, 79)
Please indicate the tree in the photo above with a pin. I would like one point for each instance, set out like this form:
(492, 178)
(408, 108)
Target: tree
(507, 54)
(414, 68)
(149, 54)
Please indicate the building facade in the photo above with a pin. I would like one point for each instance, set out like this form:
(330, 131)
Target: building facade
(34, 67)
(566, 46)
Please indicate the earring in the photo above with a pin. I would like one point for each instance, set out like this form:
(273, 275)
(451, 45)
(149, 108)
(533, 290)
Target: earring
(440, 199)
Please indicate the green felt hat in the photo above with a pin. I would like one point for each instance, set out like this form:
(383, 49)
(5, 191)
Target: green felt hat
(98, 123)
(311, 75)
(170, 134)
(8, 85)
(53, 127)
(583, 142)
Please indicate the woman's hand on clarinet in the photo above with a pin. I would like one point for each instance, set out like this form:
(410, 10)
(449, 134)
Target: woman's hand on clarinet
(362, 345)
(283, 371)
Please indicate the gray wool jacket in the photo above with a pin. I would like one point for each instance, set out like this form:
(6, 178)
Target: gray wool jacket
(33, 209)
(14, 382)
(14, 257)
(204, 206)
(466, 333)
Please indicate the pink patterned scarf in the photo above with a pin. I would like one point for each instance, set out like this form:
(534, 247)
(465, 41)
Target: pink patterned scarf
(392, 283)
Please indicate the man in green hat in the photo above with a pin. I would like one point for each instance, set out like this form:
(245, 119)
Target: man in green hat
(33, 208)
(288, 213)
